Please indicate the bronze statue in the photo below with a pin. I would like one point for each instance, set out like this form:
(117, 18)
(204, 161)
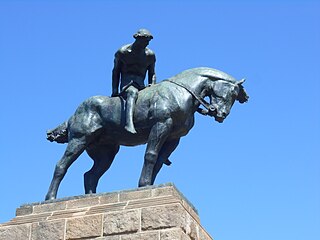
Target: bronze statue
(131, 64)
(163, 114)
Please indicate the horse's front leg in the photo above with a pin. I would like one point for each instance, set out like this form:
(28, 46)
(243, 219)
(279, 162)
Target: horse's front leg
(167, 148)
(158, 135)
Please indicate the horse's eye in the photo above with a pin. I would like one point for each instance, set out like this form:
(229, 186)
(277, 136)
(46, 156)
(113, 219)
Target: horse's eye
(234, 93)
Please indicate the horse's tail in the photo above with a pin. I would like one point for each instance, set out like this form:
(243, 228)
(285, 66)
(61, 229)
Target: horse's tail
(59, 134)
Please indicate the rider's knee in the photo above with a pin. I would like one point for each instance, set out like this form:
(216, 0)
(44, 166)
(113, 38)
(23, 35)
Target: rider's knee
(132, 92)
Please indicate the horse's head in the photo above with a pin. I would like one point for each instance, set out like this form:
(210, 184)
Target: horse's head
(222, 89)
(223, 95)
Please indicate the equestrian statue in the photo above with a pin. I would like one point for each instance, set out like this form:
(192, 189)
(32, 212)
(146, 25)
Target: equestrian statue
(163, 113)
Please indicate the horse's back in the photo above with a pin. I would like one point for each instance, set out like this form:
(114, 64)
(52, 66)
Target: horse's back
(93, 114)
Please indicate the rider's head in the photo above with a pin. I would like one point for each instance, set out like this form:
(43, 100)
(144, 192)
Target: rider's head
(143, 37)
(143, 33)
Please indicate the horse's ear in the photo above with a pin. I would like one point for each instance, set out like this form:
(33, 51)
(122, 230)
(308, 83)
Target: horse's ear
(242, 96)
(241, 81)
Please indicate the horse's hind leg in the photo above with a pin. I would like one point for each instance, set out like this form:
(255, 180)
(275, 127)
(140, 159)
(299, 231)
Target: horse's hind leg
(103, 156)
(165, 152)
(74, 149)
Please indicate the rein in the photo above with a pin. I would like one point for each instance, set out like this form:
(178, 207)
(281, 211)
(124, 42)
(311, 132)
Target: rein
(203, 102)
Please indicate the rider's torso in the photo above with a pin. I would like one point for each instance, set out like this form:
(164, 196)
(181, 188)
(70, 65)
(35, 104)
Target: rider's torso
(134, 66)
(137, 81)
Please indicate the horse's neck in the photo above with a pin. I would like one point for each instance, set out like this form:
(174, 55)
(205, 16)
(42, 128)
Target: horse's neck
(198, 89)
(197, 86)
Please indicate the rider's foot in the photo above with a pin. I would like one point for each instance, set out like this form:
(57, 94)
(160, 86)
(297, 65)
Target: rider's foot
(130, 129)
(167, 162)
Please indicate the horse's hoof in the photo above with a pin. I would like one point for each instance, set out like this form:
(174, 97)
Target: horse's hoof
(50, 198)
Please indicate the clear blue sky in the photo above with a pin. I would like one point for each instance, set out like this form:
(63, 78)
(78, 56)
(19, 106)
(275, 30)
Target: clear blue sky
(254, 177)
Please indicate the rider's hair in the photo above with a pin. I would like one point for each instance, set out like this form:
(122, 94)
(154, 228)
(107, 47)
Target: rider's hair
(143, 33)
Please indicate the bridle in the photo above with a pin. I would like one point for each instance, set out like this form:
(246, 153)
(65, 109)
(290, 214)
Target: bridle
(210, 107)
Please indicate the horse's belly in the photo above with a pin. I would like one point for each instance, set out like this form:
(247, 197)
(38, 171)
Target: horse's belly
(124, 138)
(132, 141)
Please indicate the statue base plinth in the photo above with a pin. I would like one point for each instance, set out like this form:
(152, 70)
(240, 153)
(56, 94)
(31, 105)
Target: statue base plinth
(148, 213)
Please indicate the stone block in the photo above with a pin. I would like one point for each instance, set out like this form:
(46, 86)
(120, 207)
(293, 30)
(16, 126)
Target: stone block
(160, 217)
(173, 234)
(53, 230)
(142, 236)
(191, 228)
(31, 218)
(106, 208)
(24, 210)
(132, 195)
(121, 222)
(49, 207)
(191, 210)
(83, 202)
(84, 227)
(109, 198)
(164, 191)
(151, 202)
(203, 235)
(21, 232)
(117, 237)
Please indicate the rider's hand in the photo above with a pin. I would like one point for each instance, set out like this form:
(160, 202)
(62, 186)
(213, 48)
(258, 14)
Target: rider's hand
(114, 94)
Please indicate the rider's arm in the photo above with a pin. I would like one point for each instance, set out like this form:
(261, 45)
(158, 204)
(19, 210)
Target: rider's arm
(151, 71)
(116, 75)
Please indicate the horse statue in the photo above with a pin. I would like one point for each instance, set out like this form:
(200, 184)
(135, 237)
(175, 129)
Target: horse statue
(163, 114)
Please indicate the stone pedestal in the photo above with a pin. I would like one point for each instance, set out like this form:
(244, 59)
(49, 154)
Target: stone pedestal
(150, 213)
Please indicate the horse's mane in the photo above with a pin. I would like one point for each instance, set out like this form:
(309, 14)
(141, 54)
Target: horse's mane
(211, 73)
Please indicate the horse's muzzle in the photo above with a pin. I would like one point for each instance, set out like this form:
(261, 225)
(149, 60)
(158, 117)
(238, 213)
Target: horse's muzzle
(219, 119)
(220, 116)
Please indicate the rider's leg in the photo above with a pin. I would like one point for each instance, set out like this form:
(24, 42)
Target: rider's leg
(132, 95)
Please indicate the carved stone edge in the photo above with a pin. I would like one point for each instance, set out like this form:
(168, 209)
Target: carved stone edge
(102, 202)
